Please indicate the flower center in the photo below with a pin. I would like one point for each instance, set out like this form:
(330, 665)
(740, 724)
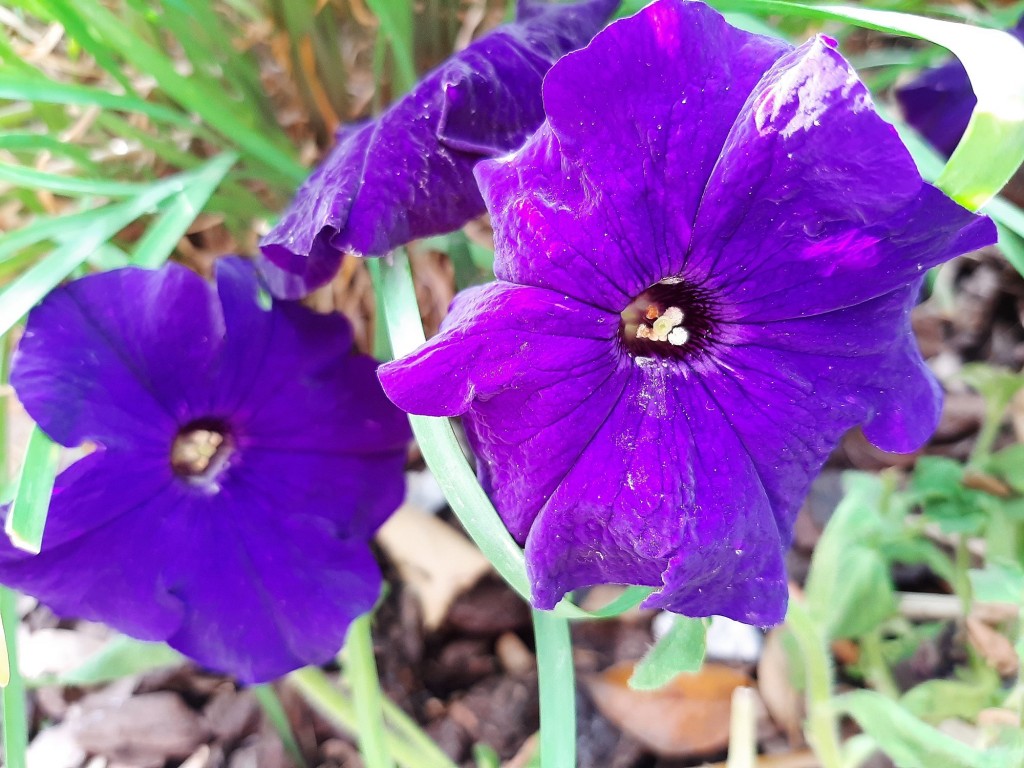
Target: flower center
(201, 450)
(671, 319)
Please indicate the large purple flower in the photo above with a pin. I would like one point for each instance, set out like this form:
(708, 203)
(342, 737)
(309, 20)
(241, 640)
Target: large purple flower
(706, 260)
(246, 455)
(409, 173)
(939, 103)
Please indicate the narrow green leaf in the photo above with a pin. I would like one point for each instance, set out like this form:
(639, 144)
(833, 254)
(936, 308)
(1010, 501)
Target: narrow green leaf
(121, 657)
(485, 756)
(44, 229)
(27, 517)
(15, 714)
(1012, 246)
(914, 744)
(78, 243)
(178, 213)
(67, 185)
(200, 96)
(680, 650)
(40, 90)
(395, 17)
(271, 704)
(40, 141)
(79, 32)
(993, 146)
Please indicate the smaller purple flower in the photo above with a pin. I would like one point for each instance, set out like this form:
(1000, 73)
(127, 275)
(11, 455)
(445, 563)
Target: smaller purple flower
(706, 260)
(245, 456)
(938, 103)
(409, 174)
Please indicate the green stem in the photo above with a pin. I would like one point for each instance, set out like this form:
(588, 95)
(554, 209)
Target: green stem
(15, 721)
(821, 728)
(268, 699)
(437, 440)
(876, 670)
(557, 682)
(411, 747)
(443, 453)
(361, 671)
(995, 412)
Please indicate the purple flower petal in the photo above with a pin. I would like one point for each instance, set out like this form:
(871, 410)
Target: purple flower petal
(408, 174)
(816, 204)
(247, 547)
(695, 300)
(649, 149)
(119, 373)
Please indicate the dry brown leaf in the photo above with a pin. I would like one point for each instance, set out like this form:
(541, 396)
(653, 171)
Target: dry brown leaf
(993, 646)
(55, 747)
(434, 559)
(689, 716)
(143, 730)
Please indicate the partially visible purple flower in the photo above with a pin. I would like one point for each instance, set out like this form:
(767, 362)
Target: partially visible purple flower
(409, 173)
(706, 261)
(938, 104)
(245, 458)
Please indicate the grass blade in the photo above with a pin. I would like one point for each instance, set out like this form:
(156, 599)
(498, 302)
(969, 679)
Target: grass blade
(179, 212)
(395, 17)
(993, 146)
(268, 699)
(79, 242)
(27, 517)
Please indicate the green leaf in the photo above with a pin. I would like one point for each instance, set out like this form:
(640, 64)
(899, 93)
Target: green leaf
(936, 700)
(395, 17)
(67, 185)
(274, 710)
(1000, 581)
(937, 485)
(912, 743)
(27, 517)
(996, 384)
(178, 213)
(84, 235)
(37, 89)
(1008, 466)
(849, 591)
(1012, 246)
(485, 757)
(262, 142)
(680, 650)
(993, 145)
(121, 657)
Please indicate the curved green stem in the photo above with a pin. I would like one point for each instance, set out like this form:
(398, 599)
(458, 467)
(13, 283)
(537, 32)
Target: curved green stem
(821, 728)
(443, 453)
(557, 681)
(15, 721)
(361, 670)
(411, 747)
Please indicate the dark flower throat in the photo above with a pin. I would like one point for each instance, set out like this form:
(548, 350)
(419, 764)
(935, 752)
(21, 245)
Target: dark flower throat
(201, 450)
(671, 320)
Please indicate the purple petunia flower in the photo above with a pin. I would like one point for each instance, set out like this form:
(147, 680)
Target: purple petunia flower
(706, 261)
(409, 173)
(939, 103)
(246, 456)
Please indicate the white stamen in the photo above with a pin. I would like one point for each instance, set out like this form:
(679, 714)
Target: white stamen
(678, 336)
